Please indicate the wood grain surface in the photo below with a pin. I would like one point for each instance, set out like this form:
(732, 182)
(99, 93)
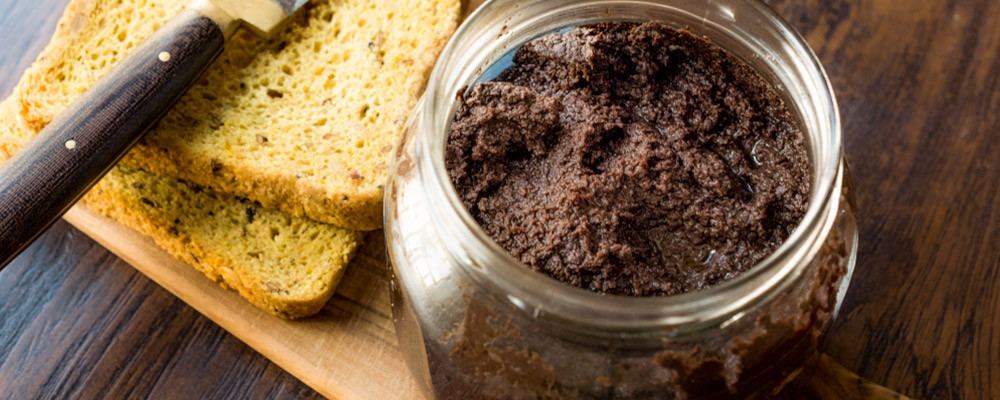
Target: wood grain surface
(917, 85)
(346, 351)
(77, 322)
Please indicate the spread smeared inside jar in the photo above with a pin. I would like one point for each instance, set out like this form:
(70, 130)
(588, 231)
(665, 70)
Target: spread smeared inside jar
(630, 159)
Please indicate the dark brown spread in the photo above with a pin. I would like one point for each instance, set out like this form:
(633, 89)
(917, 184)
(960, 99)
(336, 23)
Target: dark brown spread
(630, 159)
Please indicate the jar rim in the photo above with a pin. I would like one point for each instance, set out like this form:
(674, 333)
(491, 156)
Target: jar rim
(535, 292)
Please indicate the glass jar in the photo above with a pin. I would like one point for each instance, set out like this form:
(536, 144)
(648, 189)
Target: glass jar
(473, 322)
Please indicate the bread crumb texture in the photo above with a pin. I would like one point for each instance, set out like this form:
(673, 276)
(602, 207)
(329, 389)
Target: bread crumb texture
(287, 265)
(284, 264)
(305, 121)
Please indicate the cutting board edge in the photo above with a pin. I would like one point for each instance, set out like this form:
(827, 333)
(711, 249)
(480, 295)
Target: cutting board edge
(132, 247)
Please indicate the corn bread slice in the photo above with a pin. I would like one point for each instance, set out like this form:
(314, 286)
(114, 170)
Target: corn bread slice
(286, 265)
(304, 122)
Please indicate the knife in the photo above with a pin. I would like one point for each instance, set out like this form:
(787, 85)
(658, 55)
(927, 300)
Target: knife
(56, 167)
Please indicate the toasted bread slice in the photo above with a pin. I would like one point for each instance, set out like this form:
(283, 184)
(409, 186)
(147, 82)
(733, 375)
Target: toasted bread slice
(304, 122)
(284, 264)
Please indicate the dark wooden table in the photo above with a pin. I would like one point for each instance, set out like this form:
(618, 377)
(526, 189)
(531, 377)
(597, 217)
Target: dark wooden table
(918, 87)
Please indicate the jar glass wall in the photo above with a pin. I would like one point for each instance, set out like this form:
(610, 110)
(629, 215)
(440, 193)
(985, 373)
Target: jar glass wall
(473, 321)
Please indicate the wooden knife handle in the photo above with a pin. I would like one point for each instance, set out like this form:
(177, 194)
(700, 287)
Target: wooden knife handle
(53, 170)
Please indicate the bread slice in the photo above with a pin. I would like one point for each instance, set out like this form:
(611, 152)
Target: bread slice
(304, 122)
(286, 265)
(13, 133)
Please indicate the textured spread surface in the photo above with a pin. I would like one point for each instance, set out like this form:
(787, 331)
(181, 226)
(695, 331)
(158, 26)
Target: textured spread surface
(630, 159)
(304, 121)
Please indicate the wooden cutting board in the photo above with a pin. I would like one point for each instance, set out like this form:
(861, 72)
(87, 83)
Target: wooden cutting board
(349, 350)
